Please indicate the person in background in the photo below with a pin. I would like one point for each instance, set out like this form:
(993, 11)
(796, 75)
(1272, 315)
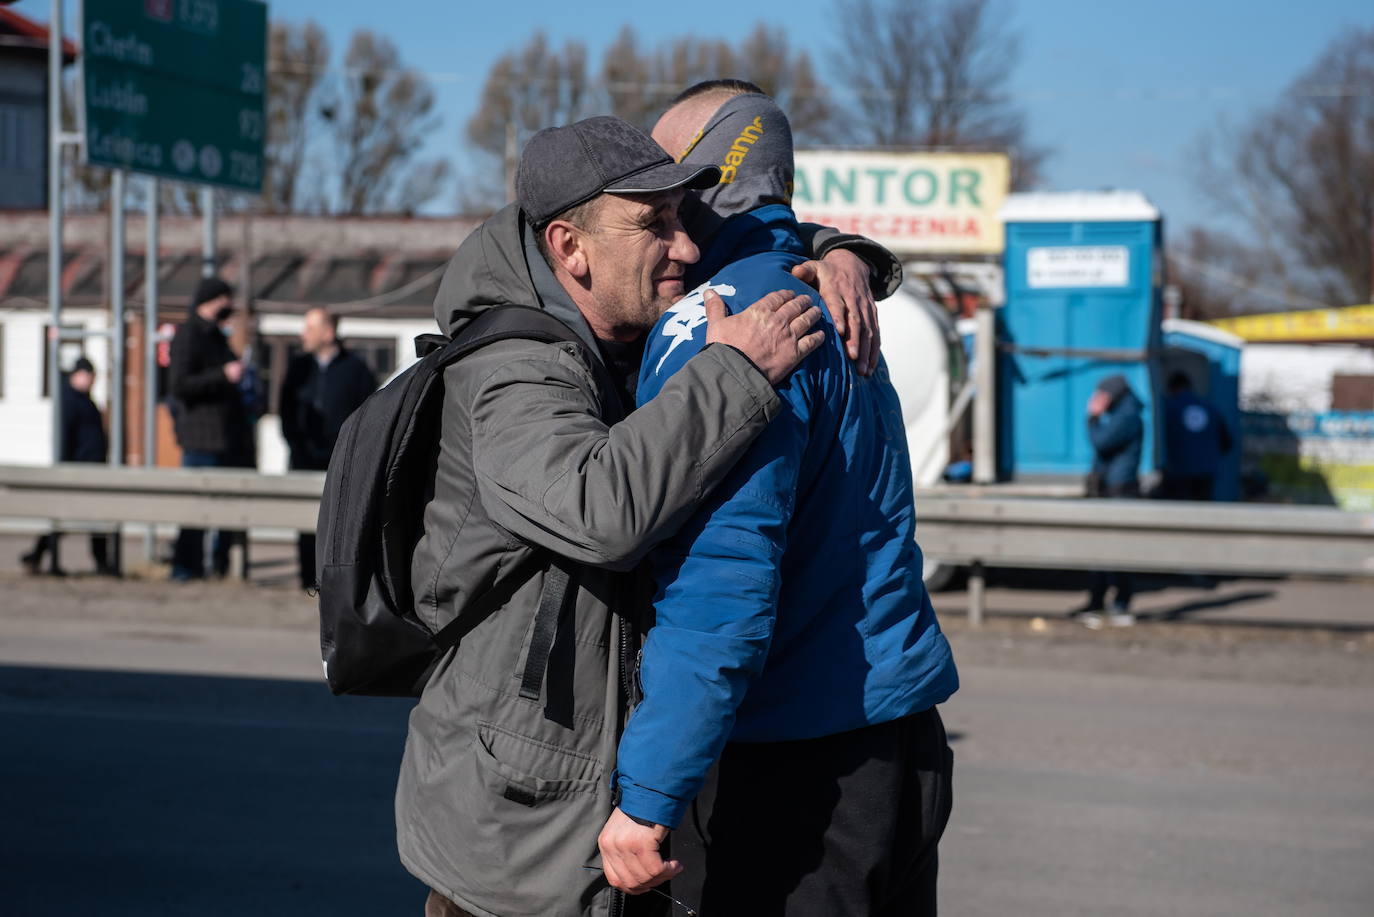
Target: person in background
(1195, 440)
(83, 440)
(1117, 434)
(203, 381)
(242, 438)
(322, 387)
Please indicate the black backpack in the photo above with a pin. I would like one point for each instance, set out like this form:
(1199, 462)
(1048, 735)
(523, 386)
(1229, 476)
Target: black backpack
(371, 516)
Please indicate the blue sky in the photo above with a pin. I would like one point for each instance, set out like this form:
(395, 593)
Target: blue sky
(1119, 90)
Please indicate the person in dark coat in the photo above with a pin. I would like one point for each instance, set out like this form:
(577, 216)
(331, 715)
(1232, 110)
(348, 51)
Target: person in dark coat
(322, 387)
(83, 440)
(1117, 433)
(208, 408)
(1195, 440)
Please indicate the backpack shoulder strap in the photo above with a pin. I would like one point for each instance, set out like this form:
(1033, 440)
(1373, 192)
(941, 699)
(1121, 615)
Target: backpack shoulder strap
(505, 323)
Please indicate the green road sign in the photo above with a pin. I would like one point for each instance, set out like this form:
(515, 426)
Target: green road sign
(176, 88)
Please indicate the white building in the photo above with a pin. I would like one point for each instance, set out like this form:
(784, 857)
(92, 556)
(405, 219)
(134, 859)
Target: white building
(379, 274)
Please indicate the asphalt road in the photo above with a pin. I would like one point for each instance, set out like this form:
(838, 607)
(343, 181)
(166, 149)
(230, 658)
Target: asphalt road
(171, 751)
(151, 794)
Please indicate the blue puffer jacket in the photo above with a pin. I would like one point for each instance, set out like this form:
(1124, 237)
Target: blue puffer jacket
(791, 605)
(1117, 435)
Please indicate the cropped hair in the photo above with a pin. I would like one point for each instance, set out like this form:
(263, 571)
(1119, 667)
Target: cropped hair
(734, 87)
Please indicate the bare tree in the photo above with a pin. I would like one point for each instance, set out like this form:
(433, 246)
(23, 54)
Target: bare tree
(765, 58)
(421, 185)
(934, 73)
(297, 58)
(536, 86)
(639, 84)
(380, 115)
(1216, 273)
(1299, 177)
(630, 80)
(526, 90)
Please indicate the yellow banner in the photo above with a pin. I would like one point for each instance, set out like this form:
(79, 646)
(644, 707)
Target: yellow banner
(1347, 324)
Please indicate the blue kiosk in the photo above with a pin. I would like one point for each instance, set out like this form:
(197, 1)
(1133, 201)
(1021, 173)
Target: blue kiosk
(1083, 282)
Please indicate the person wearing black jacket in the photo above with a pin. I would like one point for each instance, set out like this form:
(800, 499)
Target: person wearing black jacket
(322, 387)
(83, 440)
(207, 406)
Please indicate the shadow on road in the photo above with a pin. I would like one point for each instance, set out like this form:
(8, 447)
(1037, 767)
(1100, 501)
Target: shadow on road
(142, 794)
(1179, 612)
(1036, 580)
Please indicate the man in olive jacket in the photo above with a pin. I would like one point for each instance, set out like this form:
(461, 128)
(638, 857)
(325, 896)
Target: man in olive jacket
(545, 485)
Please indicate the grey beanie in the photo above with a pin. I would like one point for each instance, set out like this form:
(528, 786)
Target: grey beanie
(750, 139)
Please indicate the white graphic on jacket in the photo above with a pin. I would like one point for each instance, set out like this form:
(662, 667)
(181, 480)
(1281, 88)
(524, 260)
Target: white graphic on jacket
(688, 314)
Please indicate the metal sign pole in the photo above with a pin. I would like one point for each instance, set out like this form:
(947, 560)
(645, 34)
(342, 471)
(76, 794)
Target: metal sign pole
(117, 333)
(985, 397)
(208, 246)
(55, 222)
(150, 351)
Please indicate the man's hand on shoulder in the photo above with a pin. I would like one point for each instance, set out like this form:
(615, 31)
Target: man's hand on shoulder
(842, 280)
(774, 333)
(630, 854)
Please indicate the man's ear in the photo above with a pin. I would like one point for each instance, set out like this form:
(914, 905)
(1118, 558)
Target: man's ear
(566, 246)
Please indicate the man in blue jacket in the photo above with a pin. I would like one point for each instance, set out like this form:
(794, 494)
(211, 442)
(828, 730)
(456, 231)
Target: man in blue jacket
(794, 639)
(1117, 434)
(1195, 440)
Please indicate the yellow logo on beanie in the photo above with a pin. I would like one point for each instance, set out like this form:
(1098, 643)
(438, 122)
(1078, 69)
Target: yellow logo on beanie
(740, 149)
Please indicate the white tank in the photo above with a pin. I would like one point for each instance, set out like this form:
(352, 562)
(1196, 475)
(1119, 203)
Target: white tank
(925, 361)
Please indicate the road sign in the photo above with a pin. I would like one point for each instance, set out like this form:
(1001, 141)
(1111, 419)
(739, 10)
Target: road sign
(176, 88)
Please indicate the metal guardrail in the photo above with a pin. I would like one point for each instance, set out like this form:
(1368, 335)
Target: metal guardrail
(1147, 535)
(967, 526)
(193, 497)
(1144, 535)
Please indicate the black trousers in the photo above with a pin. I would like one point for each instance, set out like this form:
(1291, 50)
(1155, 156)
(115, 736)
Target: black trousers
(842, 825)
(1186, 487)
(50, 543)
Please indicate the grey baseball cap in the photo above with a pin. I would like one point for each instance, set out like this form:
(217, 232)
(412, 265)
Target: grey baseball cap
(562, 167)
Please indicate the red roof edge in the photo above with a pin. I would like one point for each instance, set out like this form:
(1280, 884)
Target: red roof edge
(27, 28)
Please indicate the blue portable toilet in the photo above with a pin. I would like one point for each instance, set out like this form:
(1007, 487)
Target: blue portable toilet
(1083, 274)
(1211, 359)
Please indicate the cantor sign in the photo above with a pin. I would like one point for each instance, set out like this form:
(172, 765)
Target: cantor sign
(914, 203)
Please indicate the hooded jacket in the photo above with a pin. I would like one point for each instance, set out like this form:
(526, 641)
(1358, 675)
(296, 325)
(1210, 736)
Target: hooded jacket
(791, 606)
(500, 798)
(1117, 436)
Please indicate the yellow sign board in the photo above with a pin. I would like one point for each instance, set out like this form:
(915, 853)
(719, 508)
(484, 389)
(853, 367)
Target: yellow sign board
(1351, 323)
(914, 203)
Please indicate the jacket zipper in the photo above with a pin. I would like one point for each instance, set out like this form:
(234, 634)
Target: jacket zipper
(627, 662)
